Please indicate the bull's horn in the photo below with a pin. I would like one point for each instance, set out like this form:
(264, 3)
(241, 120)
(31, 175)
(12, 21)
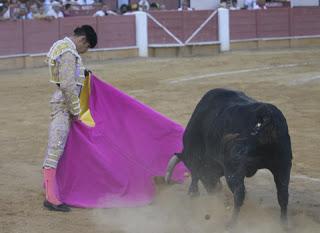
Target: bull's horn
(171, 165)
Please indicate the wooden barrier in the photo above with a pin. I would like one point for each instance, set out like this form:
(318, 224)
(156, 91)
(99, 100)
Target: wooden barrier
(67, 25)
(11, 38)
(39, 35)
(305, 21)
(116, 31)
(260, 28)
(182, 25)
(36, 36)
(274, 23)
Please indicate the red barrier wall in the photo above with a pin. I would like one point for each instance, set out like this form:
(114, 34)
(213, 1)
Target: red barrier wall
(67, 25)
(11, 38)
(243, 25)
(182, 24)
(172, 20)
(306, 21)
(273, 23)
(116, 31)
(36, 36)
(277, 22)
(192, 20)
(39, 35)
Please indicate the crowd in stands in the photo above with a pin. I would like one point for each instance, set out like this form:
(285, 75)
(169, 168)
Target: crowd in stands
(52, 9)
(254, 4)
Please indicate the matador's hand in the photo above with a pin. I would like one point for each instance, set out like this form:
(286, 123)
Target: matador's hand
(75, 117)
(87, 72)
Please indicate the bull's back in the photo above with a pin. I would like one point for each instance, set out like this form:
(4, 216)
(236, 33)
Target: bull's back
(211, 105)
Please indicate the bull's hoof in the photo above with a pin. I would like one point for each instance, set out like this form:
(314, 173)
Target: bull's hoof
(59, 208)
(194, 193)
(230, 225)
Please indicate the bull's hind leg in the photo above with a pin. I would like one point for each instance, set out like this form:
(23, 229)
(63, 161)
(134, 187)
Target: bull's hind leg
(282, 178)
(236, 185)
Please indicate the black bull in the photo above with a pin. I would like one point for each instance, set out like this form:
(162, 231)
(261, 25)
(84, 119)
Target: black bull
(232, 135)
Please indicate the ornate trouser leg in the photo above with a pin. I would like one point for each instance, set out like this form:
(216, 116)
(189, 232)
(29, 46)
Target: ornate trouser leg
(58, 133)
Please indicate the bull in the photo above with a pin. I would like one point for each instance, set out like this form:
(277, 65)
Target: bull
(232, 135)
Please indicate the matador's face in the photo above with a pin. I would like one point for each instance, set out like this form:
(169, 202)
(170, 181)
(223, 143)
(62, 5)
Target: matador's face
(82, 44)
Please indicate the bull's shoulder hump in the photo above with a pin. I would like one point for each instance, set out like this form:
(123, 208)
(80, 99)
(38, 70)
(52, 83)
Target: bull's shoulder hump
(226, 95)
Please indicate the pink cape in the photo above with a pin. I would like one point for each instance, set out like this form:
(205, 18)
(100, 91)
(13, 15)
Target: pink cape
(113, 163)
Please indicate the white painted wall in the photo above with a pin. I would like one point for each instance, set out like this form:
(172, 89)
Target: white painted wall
(142, 33)
(224, 29)
(204, 4)
(304, 3)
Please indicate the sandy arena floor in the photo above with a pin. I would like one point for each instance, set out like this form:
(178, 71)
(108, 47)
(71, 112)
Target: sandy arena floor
(289, 79)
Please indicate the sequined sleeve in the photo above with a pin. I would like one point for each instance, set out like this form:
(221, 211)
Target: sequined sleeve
(68, 85)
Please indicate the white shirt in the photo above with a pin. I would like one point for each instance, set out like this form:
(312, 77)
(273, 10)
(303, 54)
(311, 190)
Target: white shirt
(144, 5)
(102, 13)
(51, 12)
(251, 4)
(7, 14)
(188, 9)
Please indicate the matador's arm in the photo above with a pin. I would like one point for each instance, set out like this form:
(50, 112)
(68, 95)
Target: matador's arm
(68, 84)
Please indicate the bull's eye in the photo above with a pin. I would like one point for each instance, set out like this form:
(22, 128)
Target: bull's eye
(258, 125)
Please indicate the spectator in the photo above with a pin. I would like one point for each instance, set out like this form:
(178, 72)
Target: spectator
(67, 9)
(47, 5)
(122, 2)
(4, 11)
(185, 6)
(134, 7)
(163, 7)
(85, 2)
(251, 5)
(55, 12)
(20, 12)
(34, 10)
(104, 11)
(262, 4)
(42, 14)
(124, 8)
(154, 6)
(144, 5)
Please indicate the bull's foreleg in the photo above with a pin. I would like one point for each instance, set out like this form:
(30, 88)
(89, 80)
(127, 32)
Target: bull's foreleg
(211, 183)
(194, 188)
(236, 185)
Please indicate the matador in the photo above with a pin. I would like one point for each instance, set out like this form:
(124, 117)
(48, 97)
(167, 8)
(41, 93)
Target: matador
(67, 72)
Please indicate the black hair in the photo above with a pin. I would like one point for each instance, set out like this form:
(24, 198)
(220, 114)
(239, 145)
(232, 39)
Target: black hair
(154, 5)
(67, 6)
(124, 8)
(88, 32)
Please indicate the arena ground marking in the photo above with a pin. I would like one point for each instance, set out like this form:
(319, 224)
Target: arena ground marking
(303, 80)
(304, 177)
(211, 75)
(292, 177)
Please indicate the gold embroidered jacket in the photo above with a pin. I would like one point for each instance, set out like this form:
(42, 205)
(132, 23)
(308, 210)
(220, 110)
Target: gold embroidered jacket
(66, 69)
